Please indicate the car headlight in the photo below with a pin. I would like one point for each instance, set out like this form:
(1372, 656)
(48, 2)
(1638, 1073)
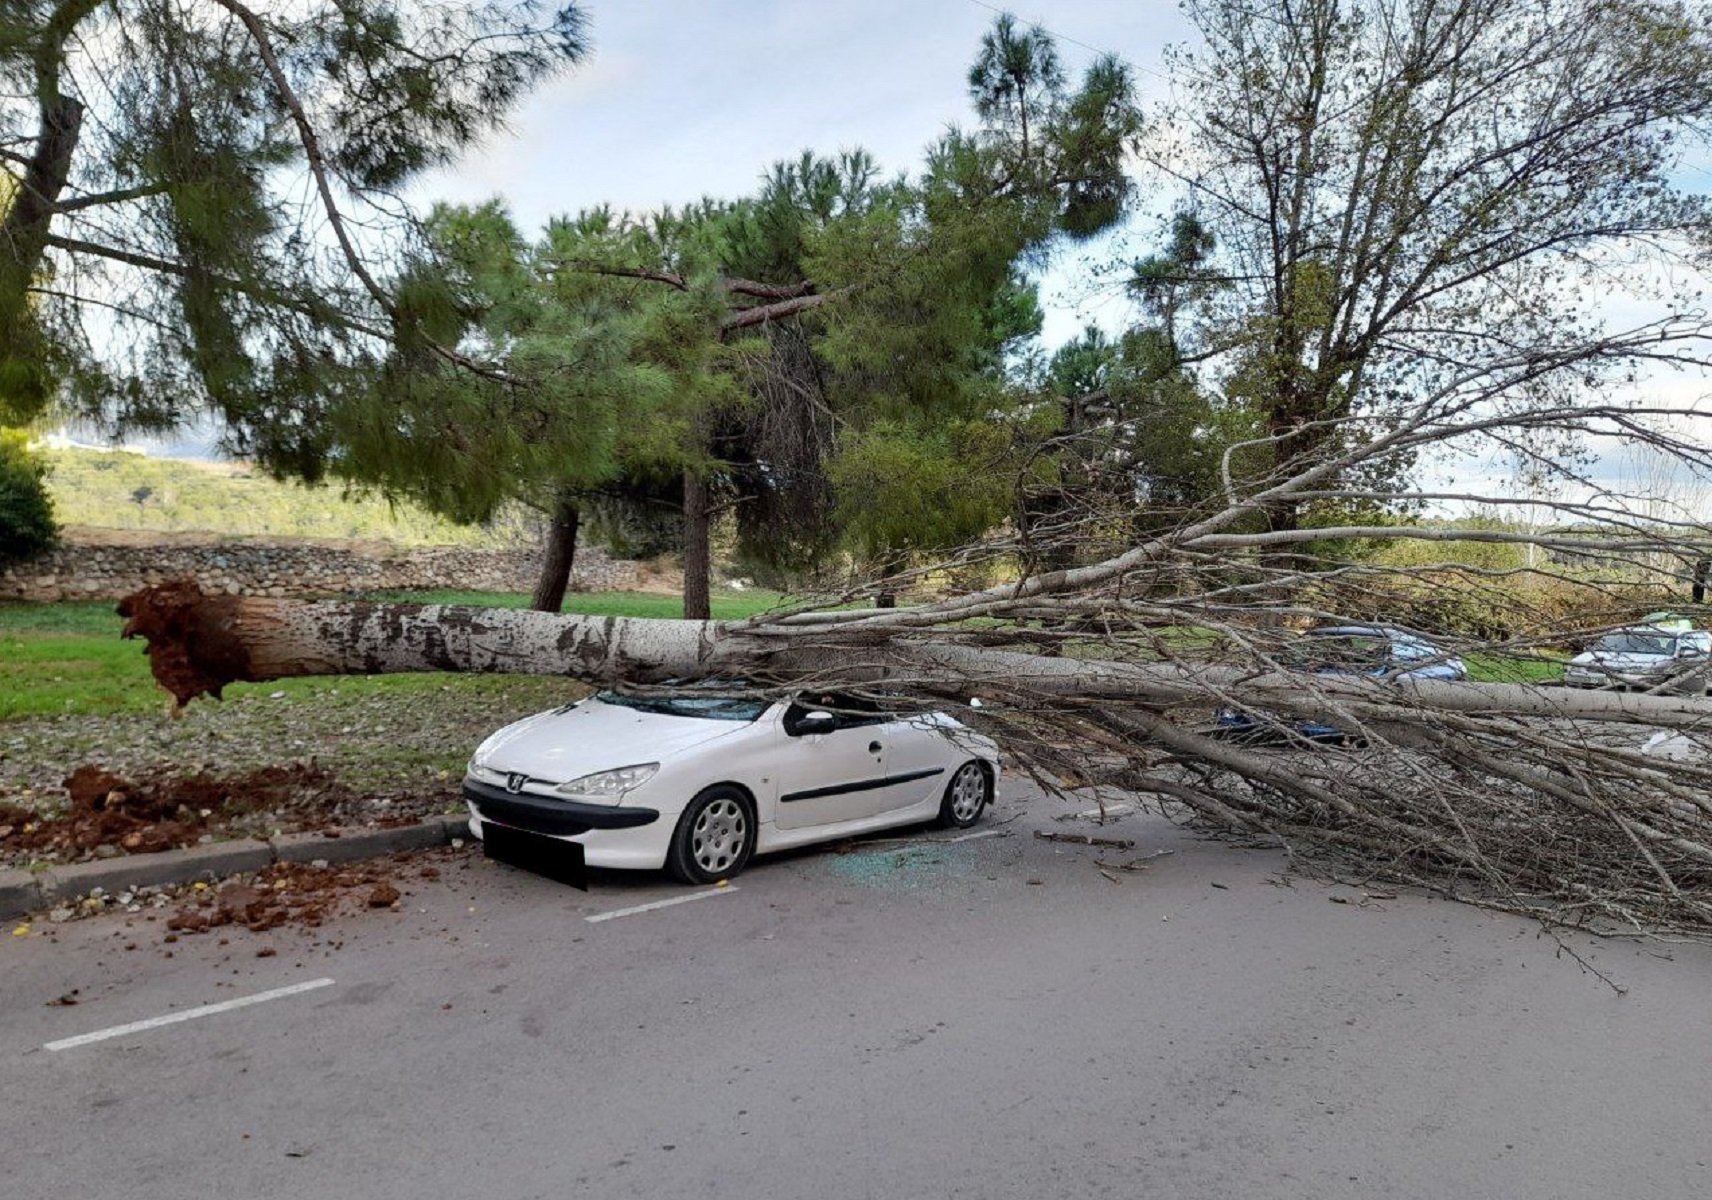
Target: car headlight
(477, 769)
(609, 785)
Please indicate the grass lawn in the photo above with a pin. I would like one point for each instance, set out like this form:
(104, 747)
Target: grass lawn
(67, 658)
(1542, 666)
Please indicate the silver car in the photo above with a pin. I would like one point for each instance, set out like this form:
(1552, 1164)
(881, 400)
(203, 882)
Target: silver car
(1644, 657)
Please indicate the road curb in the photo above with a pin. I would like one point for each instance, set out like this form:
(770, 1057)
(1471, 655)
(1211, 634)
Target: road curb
(24, 892)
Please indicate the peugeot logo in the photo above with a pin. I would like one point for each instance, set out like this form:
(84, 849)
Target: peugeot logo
(514, 782)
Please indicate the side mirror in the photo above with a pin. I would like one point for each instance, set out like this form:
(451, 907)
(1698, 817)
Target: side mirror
(816, 722)
(1691, 652)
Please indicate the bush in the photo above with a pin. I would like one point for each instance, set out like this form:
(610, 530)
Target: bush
(27, 526)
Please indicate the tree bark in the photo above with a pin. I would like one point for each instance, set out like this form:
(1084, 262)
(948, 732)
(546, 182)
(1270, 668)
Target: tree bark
(560, 556)
(697, 554)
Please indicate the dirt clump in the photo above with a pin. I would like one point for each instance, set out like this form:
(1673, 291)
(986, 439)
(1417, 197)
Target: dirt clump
(111, 815)
(302, 895)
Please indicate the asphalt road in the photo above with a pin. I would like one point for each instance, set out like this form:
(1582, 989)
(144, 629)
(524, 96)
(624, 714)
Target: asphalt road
(984, 1018)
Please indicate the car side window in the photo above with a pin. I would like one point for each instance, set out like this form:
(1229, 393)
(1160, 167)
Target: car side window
(849, 712)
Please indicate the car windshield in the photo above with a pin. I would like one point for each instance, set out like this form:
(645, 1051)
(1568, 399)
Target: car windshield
(711, 708)
(1629, 641)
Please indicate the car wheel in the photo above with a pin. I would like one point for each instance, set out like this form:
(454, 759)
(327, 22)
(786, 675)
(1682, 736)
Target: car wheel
(966, 796)
(715, 836)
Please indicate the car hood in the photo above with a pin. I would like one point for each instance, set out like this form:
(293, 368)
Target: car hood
(567, 743)
(1606, 661)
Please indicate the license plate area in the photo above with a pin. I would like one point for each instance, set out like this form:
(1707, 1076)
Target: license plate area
(559, 861)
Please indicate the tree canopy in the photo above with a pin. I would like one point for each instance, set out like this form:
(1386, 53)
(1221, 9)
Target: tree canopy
(206, 212)
(795, 355)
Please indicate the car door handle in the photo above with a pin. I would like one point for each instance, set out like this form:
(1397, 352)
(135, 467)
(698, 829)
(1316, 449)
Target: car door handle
(873, 747)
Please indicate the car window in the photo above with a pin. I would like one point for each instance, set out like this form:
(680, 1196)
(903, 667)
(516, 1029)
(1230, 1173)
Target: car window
(850, 712)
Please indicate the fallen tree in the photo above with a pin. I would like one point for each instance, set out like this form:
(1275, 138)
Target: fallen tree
(1503, 794)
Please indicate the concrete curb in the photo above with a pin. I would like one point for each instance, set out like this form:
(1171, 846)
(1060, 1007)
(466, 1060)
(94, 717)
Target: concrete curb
(24, 892)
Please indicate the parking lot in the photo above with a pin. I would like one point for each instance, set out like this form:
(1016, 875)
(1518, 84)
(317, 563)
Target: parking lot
(936, 1015)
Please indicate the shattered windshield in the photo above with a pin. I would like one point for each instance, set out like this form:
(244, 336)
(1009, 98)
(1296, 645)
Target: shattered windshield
(712, 708)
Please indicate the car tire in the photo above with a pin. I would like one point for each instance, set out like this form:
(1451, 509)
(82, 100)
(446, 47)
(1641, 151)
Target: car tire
(966, 797)
(715, 836)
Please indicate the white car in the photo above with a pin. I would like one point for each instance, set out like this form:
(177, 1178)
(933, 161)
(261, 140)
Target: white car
(700, 783)
(1643, 657)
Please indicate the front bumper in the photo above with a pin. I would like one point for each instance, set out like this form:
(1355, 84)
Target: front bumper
(556, 818)
(611, 836)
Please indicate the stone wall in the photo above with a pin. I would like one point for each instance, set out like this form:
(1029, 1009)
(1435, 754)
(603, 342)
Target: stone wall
(93, 570)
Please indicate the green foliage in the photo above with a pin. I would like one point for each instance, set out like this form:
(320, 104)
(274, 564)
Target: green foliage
(595, 378)
(27, 526)
(624, 354)
(907, 490)
(169, 143)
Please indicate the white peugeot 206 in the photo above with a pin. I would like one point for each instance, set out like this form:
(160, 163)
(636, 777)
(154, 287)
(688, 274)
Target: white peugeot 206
(699, 784)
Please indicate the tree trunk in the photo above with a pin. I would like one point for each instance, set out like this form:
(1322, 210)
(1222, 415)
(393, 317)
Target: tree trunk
(23, 240)
(886, 598)
(198, 644)
(697, 559)
(560, 556)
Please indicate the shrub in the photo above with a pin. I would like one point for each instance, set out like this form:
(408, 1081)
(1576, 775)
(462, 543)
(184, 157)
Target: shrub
(27, 526)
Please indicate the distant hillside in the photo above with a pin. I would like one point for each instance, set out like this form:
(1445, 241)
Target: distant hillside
(117, 489)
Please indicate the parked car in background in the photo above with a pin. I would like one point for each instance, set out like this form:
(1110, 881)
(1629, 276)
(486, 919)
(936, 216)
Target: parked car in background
(699, 782)
(1643, 657)
(1382, 651)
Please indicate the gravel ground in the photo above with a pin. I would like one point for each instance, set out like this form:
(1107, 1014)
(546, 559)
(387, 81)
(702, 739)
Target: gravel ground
(394, 756)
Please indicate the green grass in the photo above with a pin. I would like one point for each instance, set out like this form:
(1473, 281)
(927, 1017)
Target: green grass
(1539, 667)
(68, 658)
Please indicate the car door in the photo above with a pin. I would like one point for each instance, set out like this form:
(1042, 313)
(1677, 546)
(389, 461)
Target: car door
(919, 758)
(824, 778)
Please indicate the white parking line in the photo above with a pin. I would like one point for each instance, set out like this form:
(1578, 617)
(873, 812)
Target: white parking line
(968, 837)
(642, 908)
(206, 1010)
